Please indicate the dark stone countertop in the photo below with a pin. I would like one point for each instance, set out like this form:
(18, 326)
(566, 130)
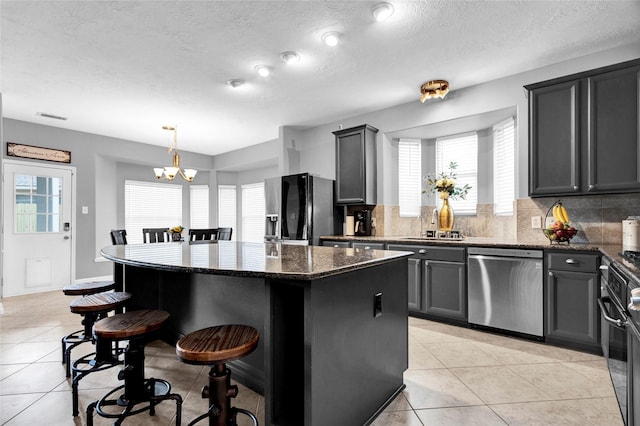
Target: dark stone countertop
(611, 251)
(258, 260)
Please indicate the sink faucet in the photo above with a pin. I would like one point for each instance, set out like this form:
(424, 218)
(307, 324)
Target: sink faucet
(434, 220)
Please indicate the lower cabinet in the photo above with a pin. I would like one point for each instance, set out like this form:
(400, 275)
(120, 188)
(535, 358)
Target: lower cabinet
(572, 289)
(437, 281)
(368, 246)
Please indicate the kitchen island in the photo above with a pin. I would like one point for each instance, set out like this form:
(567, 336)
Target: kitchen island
(332, 321)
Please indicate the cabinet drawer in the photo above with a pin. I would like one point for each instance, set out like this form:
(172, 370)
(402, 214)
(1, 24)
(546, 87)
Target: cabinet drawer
(449, 254)
(572, 262)
(343, 244)
(368, 246)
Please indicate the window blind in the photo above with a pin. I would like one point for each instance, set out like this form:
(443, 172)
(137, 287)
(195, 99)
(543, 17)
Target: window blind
(253, 212)
(409, 177)
(150, 205)
(227, 208)
(504, 167)
(462, 150)
(199, 206)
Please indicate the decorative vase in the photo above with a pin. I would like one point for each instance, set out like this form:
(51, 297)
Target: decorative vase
(176, 236)
(446, 216)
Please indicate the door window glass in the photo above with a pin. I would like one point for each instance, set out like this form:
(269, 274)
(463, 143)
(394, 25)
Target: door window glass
(38, 201)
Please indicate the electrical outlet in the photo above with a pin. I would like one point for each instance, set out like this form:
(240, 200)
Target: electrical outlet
(549, 222)
(536, 222)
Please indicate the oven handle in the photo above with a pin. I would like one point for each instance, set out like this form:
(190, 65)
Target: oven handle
(605, 313)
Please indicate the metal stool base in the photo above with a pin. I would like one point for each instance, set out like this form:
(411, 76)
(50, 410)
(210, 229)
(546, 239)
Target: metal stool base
(156, 391)
(95, 365)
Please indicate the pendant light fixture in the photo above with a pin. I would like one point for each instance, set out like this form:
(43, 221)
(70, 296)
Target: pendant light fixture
(170, 173)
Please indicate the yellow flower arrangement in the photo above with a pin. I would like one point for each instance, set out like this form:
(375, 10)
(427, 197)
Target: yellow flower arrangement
(176, 229)
(445, 184)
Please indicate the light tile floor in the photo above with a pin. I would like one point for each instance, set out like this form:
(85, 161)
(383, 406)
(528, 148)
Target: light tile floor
(456, 376)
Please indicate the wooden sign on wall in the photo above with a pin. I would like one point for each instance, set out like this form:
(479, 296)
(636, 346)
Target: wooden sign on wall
(38, 153)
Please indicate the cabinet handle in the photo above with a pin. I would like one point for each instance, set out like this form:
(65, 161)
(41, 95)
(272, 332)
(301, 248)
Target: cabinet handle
(367, 247)
(336, 246)
(422, 251)
(571, 262)
(575, 187)
(591, 187)
(604, 267)
(550, 273)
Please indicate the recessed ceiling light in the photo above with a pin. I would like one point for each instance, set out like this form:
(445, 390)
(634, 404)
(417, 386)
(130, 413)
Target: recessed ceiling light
(263, 70)
(289, 57)
(332, 38)
(235, 83)
(382, 11)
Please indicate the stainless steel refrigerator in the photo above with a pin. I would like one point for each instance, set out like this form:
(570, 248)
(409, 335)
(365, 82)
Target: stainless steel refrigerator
(299, 209)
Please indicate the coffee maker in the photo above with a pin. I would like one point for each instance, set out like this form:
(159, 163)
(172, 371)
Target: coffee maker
(362, 222)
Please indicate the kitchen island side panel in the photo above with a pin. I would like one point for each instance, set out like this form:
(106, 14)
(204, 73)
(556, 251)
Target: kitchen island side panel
(353, 360)
(197, 301)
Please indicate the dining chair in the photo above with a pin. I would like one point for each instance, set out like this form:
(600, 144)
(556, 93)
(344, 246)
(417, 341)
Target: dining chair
(155, 235)
(224, 233)
(118, 237)
(203, 234)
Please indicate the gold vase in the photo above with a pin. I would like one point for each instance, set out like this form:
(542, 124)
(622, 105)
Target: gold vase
(446, 216)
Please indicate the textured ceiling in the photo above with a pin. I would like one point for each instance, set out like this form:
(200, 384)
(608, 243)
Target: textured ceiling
(125, 68)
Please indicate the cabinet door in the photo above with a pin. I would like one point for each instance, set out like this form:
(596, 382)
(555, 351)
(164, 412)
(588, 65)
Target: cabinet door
(613, 137)
(445, 293)
(368, 246)
(572, 315)
(554, 136)
(415, 284)
(350, 173)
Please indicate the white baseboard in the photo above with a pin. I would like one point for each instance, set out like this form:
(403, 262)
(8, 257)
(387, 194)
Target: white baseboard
(103, 278)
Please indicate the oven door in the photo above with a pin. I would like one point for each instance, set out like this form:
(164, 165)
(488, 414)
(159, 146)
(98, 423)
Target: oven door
(616, 350)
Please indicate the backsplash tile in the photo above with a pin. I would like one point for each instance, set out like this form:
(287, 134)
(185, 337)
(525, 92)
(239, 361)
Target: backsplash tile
(598, 219)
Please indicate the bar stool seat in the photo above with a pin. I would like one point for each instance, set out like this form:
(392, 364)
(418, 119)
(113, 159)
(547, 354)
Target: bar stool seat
(92, 307)
(93, 287)
(216, 346)
(136, 327)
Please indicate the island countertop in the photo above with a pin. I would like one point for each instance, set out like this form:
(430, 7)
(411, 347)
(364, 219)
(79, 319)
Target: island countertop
(244, 259)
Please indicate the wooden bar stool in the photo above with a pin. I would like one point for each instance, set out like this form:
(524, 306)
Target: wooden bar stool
(136, 327)
(93, 307)
(216, 346)
(72, 340)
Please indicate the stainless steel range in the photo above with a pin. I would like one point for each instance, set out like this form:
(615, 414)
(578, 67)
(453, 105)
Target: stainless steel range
(621, 337)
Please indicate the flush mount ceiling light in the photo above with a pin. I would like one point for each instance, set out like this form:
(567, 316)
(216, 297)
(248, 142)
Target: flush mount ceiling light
(235, 83)
(434, 89)
(382, 11)
(170, 172)
(289, 57)
(332, 38)
(263, 70)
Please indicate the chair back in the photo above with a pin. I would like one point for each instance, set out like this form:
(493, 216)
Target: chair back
(155, 235)
(118, 237)
(203, 234)
(224, 233)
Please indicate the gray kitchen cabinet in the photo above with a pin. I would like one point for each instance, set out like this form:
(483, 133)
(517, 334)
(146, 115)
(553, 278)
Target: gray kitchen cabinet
(367, 246)
(437, 281)
(356, 165)
(331, 243)
(583, 132)
(572, 289)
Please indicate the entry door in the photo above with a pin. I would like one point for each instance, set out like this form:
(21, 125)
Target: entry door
(38, 249)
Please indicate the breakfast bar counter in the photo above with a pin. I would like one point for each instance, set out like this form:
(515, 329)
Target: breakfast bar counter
(332, 321)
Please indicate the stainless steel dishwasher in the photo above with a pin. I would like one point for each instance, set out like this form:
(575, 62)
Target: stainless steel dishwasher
(505, 289)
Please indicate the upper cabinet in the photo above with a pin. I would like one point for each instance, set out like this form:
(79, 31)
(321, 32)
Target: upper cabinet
(583, 133)
(356, 165)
